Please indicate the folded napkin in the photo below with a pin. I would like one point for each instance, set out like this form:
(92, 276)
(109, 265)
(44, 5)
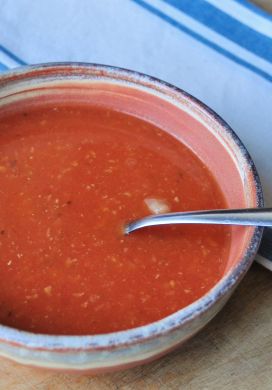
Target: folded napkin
(218, 50)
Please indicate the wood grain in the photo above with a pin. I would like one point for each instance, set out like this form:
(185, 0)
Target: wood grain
(233, 352)
(265, 4)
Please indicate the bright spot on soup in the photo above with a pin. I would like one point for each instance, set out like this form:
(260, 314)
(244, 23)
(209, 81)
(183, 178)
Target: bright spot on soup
(70, 176)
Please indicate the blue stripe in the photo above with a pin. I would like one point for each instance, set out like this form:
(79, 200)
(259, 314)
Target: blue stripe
(205, 41)
(12, 56)
(265, 249)
(227, 26)
(254, 8)
(2, 67)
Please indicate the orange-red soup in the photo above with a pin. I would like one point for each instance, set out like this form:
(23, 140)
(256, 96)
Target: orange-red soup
(70, 176)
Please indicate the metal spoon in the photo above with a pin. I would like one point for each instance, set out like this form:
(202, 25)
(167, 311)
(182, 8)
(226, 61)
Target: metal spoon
(245, 217)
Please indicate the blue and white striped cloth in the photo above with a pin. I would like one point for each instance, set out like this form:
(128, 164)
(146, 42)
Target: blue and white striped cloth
(218, 50)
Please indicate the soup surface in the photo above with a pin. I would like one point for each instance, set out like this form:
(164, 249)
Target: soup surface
(70, 176)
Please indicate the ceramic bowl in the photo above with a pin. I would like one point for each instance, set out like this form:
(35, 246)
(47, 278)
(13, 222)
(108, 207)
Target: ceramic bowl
(212, 140)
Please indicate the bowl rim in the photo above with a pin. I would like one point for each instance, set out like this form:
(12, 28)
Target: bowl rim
(169, 323)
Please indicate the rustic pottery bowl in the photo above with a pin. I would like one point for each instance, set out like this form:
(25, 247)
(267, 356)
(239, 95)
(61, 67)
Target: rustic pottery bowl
(215, 143)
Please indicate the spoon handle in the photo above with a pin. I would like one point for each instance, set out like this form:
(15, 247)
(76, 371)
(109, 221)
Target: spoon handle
(246, 217)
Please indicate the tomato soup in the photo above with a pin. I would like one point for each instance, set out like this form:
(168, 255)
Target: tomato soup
(71, 175)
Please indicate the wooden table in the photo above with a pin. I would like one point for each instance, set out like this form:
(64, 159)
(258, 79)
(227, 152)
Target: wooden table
(233, 352)
(265, 4)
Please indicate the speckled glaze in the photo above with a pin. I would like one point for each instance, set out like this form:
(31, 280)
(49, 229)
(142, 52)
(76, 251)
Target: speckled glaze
(211, 138)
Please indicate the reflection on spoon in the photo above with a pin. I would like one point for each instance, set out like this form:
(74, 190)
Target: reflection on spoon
(245, 217)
